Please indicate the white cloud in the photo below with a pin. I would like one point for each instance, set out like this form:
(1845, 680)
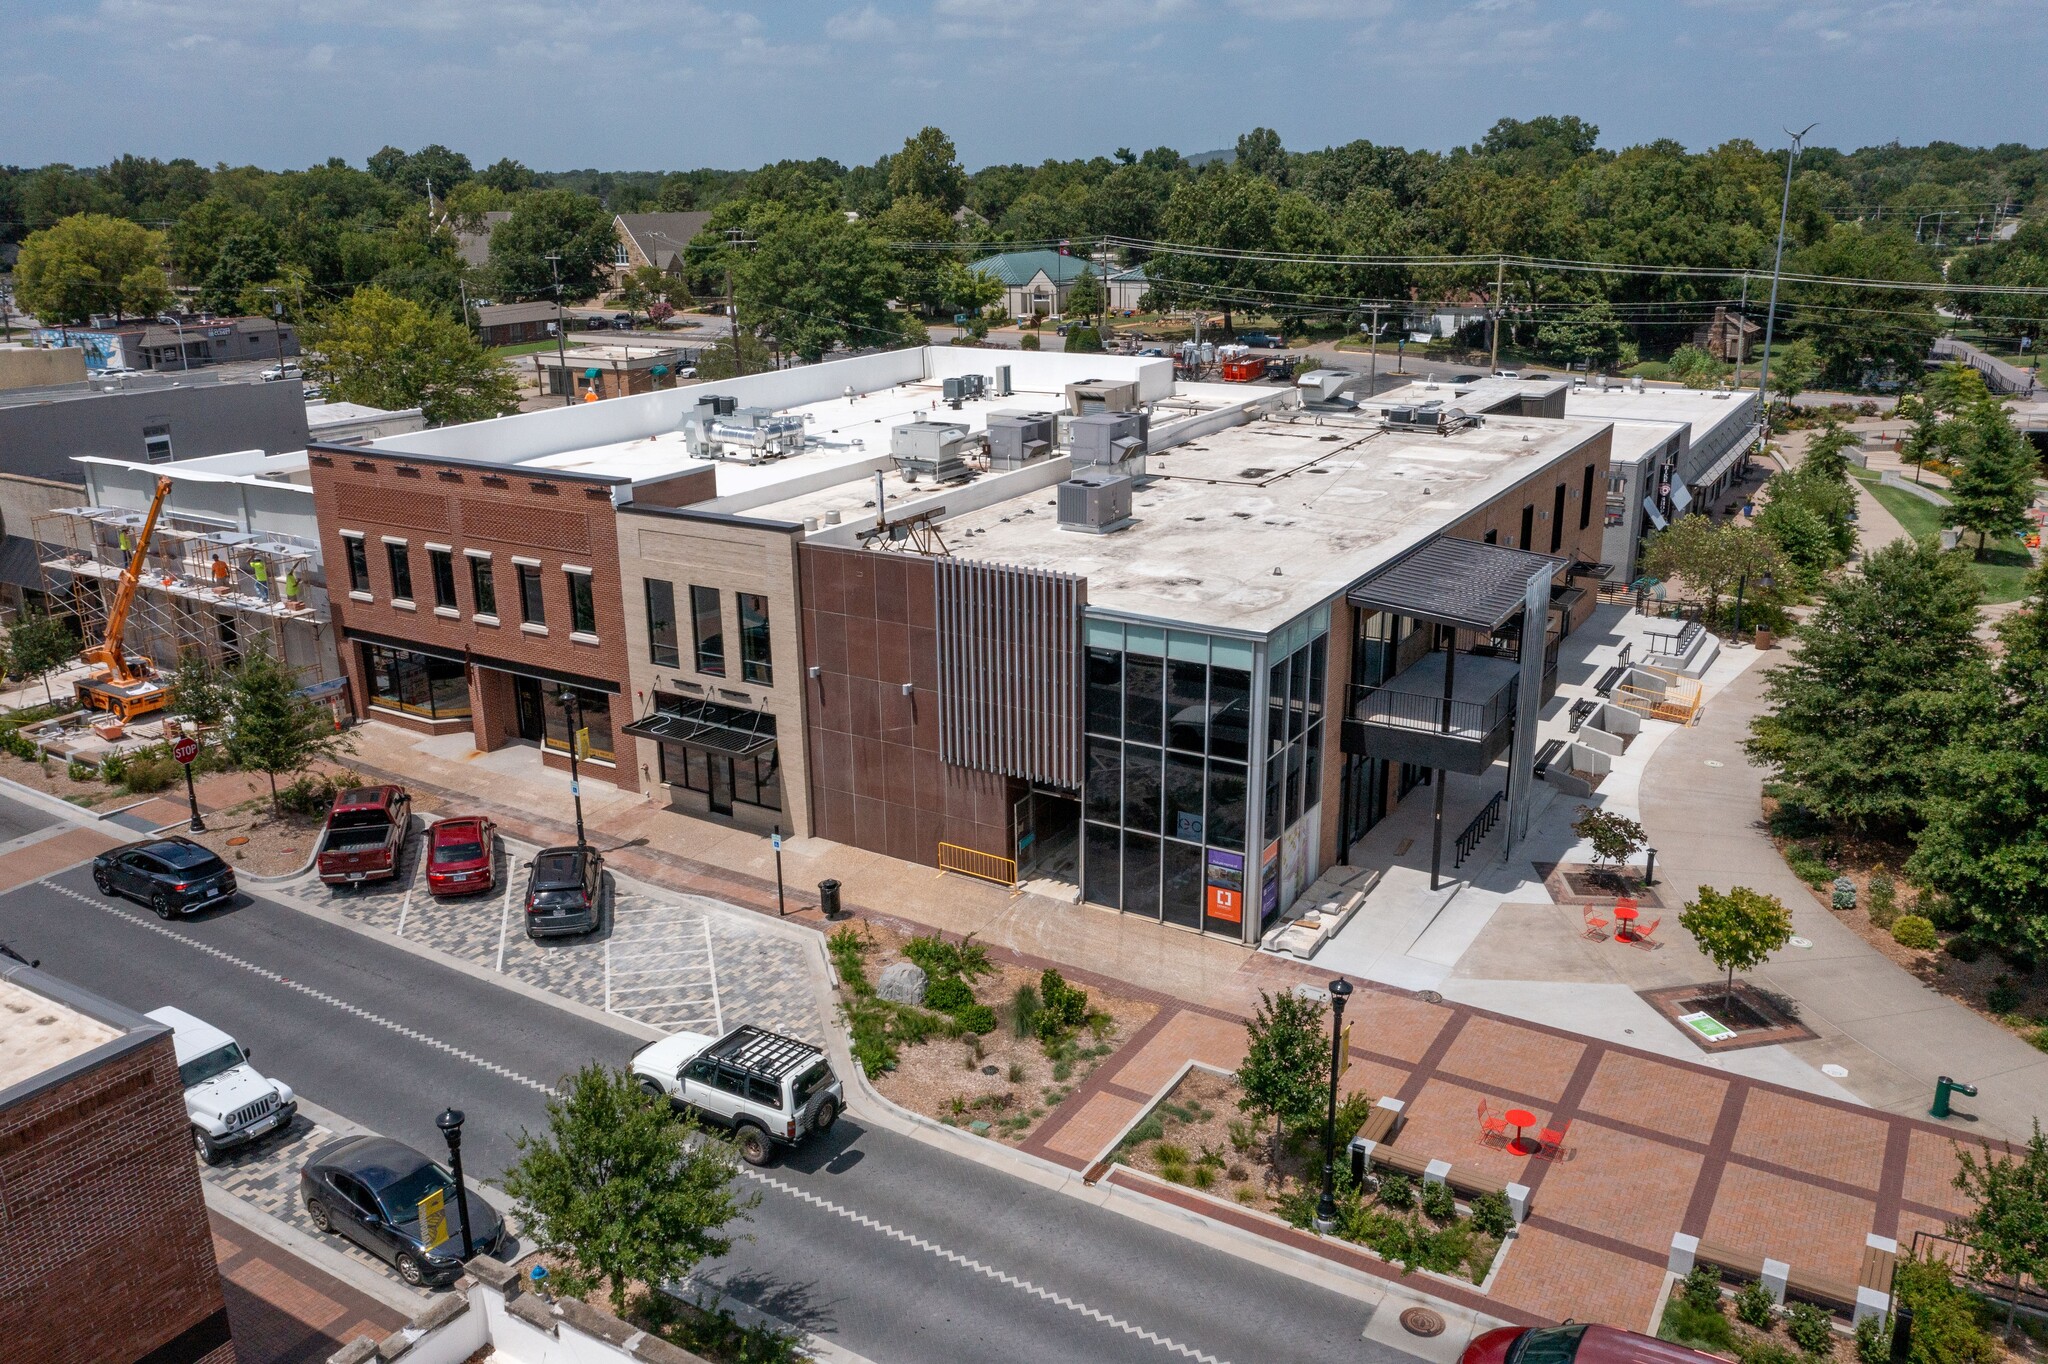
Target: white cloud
(864, 25)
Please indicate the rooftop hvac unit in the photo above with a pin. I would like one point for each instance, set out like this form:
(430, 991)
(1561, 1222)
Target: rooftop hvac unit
(1110, 438)
(933, 450)
(1096, 503)
(1096, 395)
(1003, 389)
(964, 387)
(1431, 416)
(751, 434)
(1016, 439)
(1323, 385)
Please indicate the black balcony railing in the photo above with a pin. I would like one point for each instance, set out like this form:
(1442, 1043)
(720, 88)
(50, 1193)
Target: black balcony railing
(1396, 708)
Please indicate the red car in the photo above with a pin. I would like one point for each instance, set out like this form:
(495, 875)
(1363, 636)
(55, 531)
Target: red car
(459, 860)
(1576, 1343)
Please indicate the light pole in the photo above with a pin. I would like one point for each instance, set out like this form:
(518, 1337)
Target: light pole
(450, 1123)
(572, 711)
(554, 259)
(1763, 377)
(1326, 1206)
(1766, 583)
(184, 356)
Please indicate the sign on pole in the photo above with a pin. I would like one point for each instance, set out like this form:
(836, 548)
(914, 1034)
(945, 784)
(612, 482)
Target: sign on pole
(434, 1219)
(185, 748)
(583, 743)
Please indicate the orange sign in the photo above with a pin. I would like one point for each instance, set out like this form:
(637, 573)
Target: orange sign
(1226, 906)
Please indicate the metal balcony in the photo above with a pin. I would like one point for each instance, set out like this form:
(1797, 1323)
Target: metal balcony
(1409, 719)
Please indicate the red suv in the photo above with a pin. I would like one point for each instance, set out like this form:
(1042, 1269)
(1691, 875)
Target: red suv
(459, 860)
(1576, 1343)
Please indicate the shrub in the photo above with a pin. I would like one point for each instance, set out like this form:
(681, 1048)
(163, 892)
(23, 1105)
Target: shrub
(145, 776)
(1754, 1307)
(1810, 1328)
(1396, 1191)
(2003, 996)
(1912, 931)
(1881, 899)
(1016, 1073)
(79, 771)
(1024, 1009)
(1490, 1214)
(306, 795)
(1242, 1136)
(1030, 341)
(966, 958)
(848, 946)
(976, 1018)
(113, 767)
(1688, 1323)
(1062, 1008)
(1765, 1352)
(1203, 1177)
(1703, 1288)
(947, 994)
(1873, 1340)
(1964, 948)
(1808, 867)
(1439, 1204)
(1945, 1329)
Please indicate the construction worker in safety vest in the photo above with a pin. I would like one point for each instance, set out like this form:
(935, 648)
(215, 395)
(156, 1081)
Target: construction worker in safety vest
(127, 541)
(291, 587)
(260, 571)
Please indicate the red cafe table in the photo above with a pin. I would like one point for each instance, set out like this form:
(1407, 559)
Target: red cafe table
(1625, 917)
(1520, 1118)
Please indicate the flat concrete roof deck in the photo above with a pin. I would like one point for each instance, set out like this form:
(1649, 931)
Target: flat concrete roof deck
(38, 1033)
(1245, 528)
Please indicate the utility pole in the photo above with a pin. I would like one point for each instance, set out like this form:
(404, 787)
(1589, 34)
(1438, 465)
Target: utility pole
(1500, 283)
(1763, 376)
(1373, 384)
(1741, 335)
(554, 259)
(734, 240)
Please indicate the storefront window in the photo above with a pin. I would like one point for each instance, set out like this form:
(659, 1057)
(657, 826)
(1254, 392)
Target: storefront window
(1141, 875)
(1180, 890)
(417, 684)
(593, 710)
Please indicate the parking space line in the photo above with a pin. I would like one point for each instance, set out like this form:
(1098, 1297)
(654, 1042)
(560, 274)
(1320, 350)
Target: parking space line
(607, 975)
(504, 919)
(711, 964)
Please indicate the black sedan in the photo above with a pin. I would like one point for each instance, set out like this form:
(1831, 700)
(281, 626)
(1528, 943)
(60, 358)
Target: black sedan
(170, 875)
(369, 1189)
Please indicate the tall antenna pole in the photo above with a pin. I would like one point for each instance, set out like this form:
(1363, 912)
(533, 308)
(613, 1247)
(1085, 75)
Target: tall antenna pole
(1500, 283)
(1763, 377)
(733, 239)
(554, 260)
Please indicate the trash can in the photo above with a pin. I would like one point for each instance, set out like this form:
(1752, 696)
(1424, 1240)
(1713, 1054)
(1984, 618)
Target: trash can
(828, 897)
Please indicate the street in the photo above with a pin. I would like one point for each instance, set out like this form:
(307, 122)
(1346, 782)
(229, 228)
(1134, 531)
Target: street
(878, 1241)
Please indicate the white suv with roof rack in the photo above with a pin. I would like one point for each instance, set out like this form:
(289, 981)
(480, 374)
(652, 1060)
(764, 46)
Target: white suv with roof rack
(769, 1090)
(228, 1103)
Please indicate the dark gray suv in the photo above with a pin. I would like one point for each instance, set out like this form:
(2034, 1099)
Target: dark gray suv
(564, 892)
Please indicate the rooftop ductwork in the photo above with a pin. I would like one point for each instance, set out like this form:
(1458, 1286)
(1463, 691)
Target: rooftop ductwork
(1429, 416)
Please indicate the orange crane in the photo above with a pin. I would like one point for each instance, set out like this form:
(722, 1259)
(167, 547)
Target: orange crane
(126, 687)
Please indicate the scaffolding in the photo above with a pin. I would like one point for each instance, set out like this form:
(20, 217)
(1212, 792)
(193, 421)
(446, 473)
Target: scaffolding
(198, 591)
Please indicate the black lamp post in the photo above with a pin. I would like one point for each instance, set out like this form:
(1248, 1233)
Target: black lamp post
(1326, 1207)
(572, 710)
(1766, 583)
(450, 1123)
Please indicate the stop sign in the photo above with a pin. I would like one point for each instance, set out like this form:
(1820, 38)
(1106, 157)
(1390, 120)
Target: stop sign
(185, 749)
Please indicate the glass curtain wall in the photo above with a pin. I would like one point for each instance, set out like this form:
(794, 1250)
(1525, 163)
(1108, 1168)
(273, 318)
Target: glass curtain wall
(1297, 678)
(1168, 720)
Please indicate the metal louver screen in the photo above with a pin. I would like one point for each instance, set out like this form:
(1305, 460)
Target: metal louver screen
(1009, 671)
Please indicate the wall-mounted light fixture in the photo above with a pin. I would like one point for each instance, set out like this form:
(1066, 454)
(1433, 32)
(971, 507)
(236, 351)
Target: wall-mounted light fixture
(909, 687)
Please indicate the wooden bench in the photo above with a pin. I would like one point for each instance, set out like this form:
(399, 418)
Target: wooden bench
(1817, 1289)
(1732, 1261)
(1880, 1264)
(1380, 1126)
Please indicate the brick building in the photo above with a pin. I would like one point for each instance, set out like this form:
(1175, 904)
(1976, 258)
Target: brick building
(105, 1255)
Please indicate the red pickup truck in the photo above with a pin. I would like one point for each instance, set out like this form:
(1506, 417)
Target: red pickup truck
(365, 831)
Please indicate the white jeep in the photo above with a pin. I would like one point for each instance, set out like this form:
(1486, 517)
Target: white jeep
(769, 1090)
(230, 1105)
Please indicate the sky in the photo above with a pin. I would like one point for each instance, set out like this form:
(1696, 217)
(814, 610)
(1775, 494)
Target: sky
(687, 83)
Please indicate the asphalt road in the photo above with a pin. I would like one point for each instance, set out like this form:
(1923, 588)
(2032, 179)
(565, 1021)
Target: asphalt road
(899, 1251)
(17, 819)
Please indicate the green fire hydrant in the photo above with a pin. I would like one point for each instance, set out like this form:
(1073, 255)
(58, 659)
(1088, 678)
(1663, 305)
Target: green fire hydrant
(1943, 1087)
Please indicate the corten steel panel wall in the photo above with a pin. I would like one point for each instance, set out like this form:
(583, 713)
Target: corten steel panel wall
(539, 514)
(105, 1254)
(732, 555)
(1009, 676)
(877, 780)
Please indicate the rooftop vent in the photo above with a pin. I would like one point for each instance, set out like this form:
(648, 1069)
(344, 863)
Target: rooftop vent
(1429, 416)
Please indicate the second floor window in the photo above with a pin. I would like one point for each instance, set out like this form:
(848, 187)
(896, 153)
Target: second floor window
(582, 608)
(443, 564)
(401, 571)
(709, 631)
(358, 563)
(483, 586)
(532, 609)
(755, 663)
(662, 648)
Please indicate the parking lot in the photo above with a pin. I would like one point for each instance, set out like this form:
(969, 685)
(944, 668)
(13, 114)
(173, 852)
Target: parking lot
(674, 962)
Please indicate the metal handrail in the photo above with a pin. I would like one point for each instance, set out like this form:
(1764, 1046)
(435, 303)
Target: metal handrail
(1398, 708)
(1482, 823)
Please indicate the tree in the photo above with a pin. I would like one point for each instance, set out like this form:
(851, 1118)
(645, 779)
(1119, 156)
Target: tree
(969, 291)
(1795, 367)
(1086, 298)
(1857, 330)
(1995, 489)
(621, 1189)
(1827, 453)
(201, 689)
(929, 167)
(386, 351)
(91, 263)
(1221, 209)
(507, 176)
(278, 729)
(814, 280)
(1588, 331)
(1083, 340)
(574, 226)
(2007, 1230)
(645, 286)
(38, 644)
(1888, 672)
(913, 218)
(1737, 929)
(1713, 560)
(1259, 152)
(1614, 836)
(1985, 847)
(1808, 513)
(1285, 1074)
(1694, 367)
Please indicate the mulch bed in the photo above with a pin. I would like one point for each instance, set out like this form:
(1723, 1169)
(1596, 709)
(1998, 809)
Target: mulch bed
(1580, 883)
(1758, 1019)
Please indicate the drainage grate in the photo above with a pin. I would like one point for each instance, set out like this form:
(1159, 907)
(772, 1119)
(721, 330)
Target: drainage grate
(1420, 1321)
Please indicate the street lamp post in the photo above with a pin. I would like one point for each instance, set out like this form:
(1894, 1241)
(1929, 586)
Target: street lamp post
(572, 710)
(450, 1123)
(1326, 1206)
(184, 356)
(1763, 377)
(1766, 583)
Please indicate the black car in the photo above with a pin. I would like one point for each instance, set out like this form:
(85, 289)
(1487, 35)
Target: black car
(170, 875)
(369, 1190)
(564, 892)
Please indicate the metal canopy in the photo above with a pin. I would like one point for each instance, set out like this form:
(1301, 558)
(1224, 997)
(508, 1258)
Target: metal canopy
(707, 724)
(1461, 583)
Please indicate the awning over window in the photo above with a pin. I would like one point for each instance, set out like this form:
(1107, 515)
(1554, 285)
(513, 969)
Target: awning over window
(1462, 583)
(707, 724)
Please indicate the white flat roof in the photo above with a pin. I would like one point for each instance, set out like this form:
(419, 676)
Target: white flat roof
(1250, 526)
(1706, 410)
